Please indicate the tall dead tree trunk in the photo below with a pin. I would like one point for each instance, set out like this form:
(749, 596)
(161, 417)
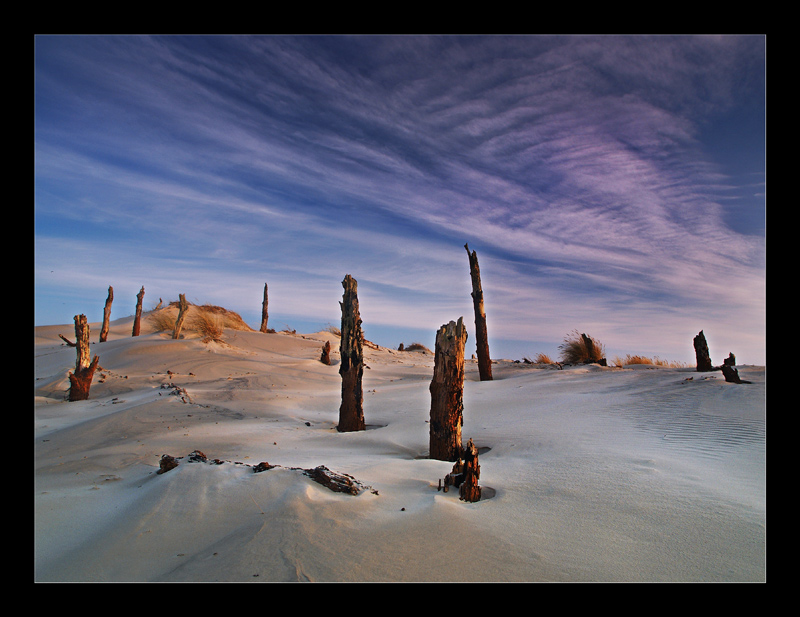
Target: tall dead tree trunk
(106, 315)
(701, 353)
(481, 336)
(81, 379)
(351, 366)
(184, 307)
(447, 391)
(264, 311)
(137, 319)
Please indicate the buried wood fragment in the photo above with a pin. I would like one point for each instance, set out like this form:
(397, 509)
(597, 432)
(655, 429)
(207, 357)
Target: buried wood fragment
(335, 481)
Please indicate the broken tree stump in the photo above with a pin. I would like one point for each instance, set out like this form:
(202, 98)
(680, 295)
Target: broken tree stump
(325, 357)
(184, 307)
(264, 310)
(447, 390)
(465, 474)
(732, 375)
(81, 379)
(469, 490)
(481, 335)
(106, 315)
(137, 319)
(701, 353)
(351, 366)
(730, 360)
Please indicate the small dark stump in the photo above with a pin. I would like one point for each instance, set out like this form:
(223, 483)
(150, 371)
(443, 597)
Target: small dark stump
(732, 375)
(325, 358)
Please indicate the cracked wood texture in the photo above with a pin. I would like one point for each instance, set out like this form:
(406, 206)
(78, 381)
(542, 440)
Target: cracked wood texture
(81, 379)
(351, 367)
(447, 391)
(481, 335)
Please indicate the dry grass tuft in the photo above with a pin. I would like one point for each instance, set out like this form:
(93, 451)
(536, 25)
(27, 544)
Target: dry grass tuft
(162, 320)
(542, 358)
(574, 349)
(210, 324)
(654, 361)
(417, 347)
(335, 330)
(209, 320)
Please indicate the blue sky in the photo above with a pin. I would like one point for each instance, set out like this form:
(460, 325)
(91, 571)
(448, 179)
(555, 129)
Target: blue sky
(613, 185)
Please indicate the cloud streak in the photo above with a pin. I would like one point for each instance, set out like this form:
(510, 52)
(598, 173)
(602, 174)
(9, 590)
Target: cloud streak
(577, 167)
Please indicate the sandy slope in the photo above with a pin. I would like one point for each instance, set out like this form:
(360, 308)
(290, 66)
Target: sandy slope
(591, 474)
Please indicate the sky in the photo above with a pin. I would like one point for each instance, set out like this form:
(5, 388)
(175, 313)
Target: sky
(610, 185)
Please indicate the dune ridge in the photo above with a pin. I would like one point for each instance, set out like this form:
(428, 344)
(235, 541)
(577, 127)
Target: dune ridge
(591, 473)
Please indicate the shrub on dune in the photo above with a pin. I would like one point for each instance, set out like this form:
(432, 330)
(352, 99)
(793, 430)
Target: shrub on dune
(579, 348)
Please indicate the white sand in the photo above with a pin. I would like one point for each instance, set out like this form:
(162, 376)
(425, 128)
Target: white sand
(592, 474)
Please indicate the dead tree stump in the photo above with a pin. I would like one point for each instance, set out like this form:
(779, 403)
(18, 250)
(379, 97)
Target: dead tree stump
(732, 375)
(701, 353)
(465, 474)
(184, 307)
(730, 360)
(447, 389)
(137, 319)
(469, 489)
(81, 380)
(264, 311)
(481, 335)
(325, 358)
(351, 367)
(106, 315)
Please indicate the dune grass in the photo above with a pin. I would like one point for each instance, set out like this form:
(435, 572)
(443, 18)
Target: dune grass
(654, 361)
(574, 349)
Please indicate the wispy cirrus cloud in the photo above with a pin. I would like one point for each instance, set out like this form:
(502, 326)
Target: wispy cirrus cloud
(580, 168)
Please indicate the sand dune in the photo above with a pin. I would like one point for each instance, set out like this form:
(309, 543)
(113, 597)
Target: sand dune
(590, 473)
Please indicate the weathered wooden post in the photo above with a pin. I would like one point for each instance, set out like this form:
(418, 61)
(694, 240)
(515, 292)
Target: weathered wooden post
(184, 307)
(137, 319)
(351, 366)
(481, 335)
(81, 379)
(106, 315)
(701, 353)
(447, 390)
(264, 311)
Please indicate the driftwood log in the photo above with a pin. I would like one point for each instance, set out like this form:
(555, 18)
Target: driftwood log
(81, 379)
(264, 310)
(106, 315)
(182, 310)
(481, 335)
(701, 353)
(351, 366)
(447, 390)
(332, 480)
